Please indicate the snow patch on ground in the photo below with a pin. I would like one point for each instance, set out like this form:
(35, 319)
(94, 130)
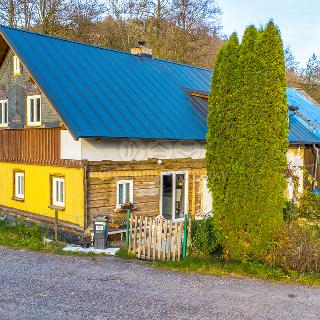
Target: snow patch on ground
(108, 251)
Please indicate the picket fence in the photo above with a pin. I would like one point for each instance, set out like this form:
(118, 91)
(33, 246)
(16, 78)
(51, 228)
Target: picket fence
(156, 239)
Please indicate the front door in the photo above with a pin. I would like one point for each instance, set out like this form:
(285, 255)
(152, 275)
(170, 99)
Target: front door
(174, 195)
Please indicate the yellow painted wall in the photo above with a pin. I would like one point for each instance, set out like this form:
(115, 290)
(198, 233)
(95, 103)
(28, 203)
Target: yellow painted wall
(37, 190)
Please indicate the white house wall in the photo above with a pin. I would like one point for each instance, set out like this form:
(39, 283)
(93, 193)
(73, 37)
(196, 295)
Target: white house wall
(98, 150)
(70, 148)
(295, 163)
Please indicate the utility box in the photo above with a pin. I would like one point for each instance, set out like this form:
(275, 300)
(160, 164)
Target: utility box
(100, 232)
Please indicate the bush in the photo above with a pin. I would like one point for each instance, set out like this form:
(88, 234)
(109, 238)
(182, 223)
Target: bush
(203, 237)
(291, 212)
(309, 205)
(297, 247)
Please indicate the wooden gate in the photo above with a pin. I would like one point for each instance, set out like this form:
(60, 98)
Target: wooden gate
(157, 239)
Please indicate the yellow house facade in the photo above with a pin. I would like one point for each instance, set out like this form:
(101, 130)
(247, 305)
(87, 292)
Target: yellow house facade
(37, 191)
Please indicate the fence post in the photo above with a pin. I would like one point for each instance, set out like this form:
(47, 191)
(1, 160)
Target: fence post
(56, 222)
(128, 229)
(185, 236)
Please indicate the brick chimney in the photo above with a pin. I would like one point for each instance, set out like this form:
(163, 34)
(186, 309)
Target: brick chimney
(141, 50)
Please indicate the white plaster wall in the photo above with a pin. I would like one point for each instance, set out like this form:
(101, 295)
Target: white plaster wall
(127, 150)
(97, 150)
(295, 162)
(70, 148)
(206, 197)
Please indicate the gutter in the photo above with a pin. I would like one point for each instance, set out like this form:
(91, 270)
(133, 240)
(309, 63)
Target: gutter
(315, 167)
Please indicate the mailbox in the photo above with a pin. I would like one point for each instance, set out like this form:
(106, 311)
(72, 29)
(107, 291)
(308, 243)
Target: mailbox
(100, 232)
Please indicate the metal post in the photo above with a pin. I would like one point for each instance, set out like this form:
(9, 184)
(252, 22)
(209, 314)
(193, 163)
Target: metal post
(128, 229)
(56, 219)
(185, 236)
(315, 167)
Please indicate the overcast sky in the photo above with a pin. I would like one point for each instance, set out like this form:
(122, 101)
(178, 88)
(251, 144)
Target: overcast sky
(299, 21)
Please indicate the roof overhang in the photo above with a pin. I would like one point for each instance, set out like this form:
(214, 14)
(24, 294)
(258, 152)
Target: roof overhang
(4, 48)
(295, 143)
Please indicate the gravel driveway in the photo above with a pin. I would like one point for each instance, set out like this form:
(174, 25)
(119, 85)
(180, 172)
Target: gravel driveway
(42, 286)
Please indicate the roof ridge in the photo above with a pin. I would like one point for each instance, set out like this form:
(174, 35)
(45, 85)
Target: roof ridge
(182, 64)
(98, 47)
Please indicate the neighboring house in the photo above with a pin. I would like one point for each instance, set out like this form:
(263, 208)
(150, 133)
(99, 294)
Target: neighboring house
(84, 129)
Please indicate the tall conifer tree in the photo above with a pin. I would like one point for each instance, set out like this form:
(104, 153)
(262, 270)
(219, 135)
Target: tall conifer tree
(221, 129)
(246, 171)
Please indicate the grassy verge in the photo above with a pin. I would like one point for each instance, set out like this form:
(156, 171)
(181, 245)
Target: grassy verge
(124, 254)
(23, 237)
(20, 236)
(216, 267)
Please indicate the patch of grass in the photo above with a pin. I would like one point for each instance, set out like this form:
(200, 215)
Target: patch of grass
(124, 254)
(21, 236)
(218, 267)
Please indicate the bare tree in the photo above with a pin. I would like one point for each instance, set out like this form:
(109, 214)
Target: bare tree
(179, 30)
(9, 12)
(82, 17)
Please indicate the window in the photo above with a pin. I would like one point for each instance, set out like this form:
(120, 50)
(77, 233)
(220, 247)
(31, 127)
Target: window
(174, 195)
(16, 66)
(34, 110)
(58, 192)
(3, 113)
(124, 192)
(19, 185)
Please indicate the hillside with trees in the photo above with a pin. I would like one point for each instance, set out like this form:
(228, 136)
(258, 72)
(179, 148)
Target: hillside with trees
(186, 31)
(306, 78)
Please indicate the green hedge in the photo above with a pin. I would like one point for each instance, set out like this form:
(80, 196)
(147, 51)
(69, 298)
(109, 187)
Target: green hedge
(203, 237)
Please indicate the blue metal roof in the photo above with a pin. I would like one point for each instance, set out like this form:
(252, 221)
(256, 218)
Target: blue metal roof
(299, 134)
(103, 93)
(305, 121)
(308, 107)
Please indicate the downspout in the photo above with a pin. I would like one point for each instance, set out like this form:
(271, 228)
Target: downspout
(315, 167)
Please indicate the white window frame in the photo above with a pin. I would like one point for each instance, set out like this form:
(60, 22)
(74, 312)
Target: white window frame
(18, 188)
(56, 197)
(4, 113)
(124, 191)
(29, 98)
(206, 197)
(186, 189)
(16, 65)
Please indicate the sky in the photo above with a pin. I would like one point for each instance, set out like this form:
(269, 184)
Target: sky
(299, 21)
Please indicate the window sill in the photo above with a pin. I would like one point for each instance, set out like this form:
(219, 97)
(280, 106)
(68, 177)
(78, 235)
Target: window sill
(125, 210)
(58, 208)
(18, 199)
(3, 126)
(36, 124)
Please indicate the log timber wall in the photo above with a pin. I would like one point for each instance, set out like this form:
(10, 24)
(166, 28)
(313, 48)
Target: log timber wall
(102, 180)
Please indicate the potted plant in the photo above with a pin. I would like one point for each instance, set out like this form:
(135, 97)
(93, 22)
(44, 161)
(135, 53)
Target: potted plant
(116, 223)
(127, 206)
